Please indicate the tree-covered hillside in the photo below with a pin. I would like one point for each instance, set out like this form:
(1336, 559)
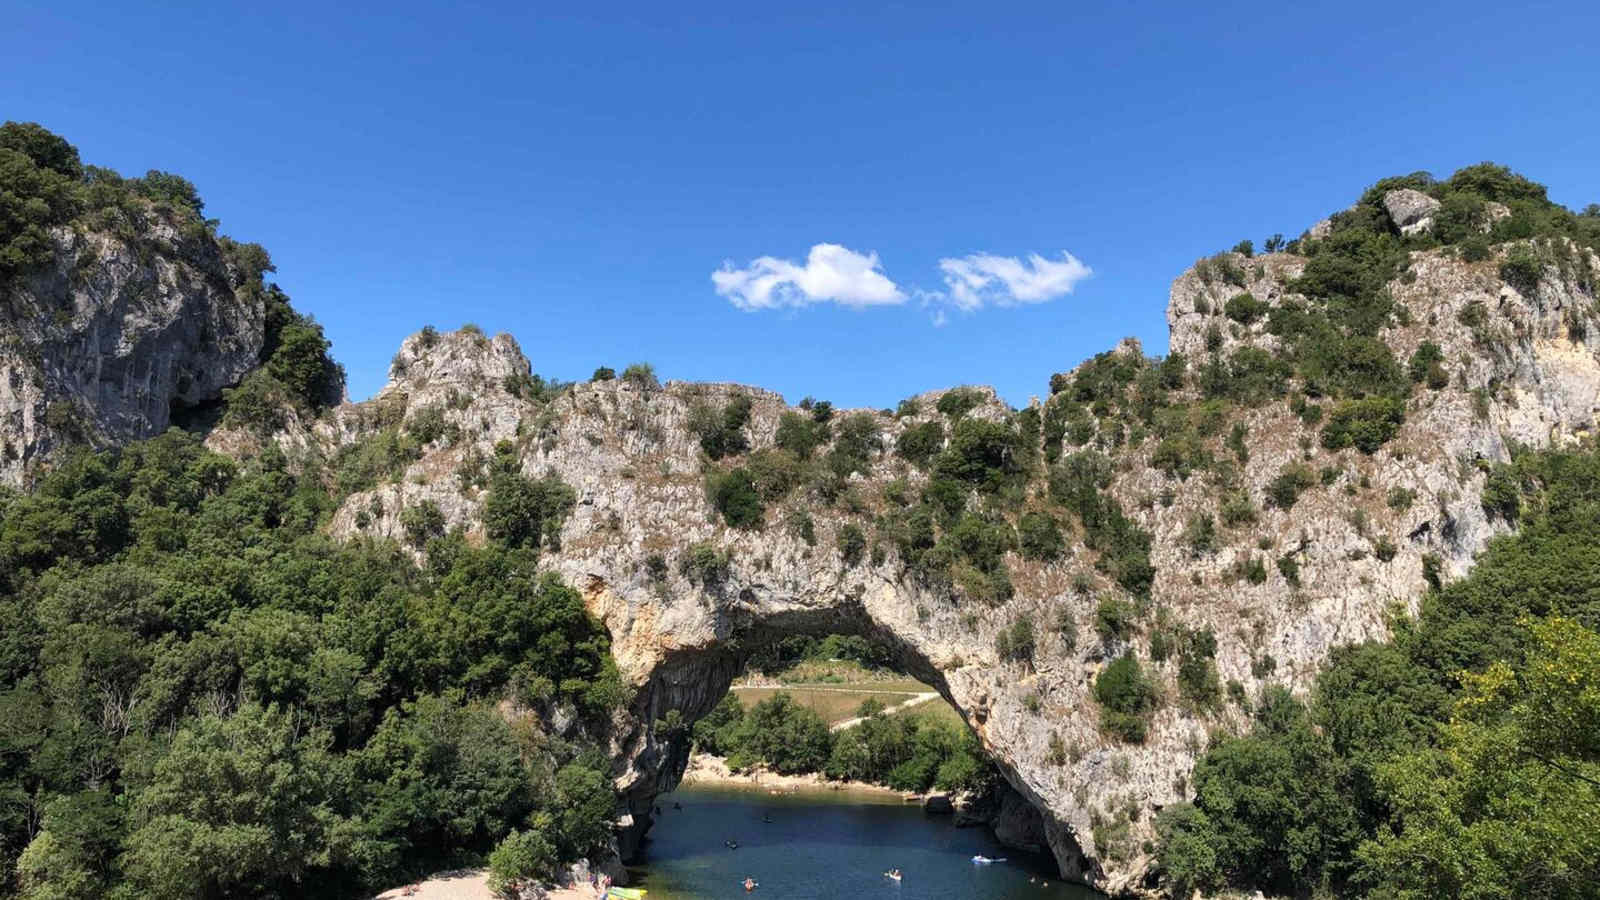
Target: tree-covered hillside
(202, 696)
(1460, 759)
(337, 655)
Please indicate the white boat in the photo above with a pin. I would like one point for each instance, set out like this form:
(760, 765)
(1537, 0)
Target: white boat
(981, 860)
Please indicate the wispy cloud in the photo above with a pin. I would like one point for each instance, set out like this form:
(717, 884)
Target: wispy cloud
(831, 274)
(983, 279)
(835, 274)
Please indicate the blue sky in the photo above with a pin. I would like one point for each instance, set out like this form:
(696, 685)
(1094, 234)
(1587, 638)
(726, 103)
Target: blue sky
(576, 178)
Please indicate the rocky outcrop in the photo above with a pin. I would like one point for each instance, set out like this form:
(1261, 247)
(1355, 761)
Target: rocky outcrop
(115, 335)
(1528, 373)
(115, 338)
(1411, 211)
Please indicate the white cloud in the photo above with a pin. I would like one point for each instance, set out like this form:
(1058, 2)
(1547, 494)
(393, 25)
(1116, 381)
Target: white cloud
(831, 274)
(982, 279)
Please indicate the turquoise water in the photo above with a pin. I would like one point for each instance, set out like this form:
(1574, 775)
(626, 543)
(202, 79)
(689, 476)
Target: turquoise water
(826, 845)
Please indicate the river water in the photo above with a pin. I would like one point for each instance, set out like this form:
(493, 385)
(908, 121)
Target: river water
(822, 845)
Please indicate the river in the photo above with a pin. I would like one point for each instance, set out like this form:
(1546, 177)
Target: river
(822, 845)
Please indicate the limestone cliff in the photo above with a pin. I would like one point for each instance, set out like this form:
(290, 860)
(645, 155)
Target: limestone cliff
(115, 334)
(1528, 372)
(1518, 364)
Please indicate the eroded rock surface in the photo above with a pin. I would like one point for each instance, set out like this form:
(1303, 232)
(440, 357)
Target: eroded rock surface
(1410, 210)
(121, 342)
(1528, 373)
(105, 343)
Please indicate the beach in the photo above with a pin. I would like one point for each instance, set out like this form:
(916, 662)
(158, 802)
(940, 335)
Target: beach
(707, 770)
(469, 884)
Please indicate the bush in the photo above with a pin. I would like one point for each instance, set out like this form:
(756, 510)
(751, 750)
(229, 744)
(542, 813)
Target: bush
(1245, 308)
(1237, 510)
(733, 494)
(422, 522)
(1475, 249)
(1291, 481)
(522, 512)
(1114, 619)
(852, 543)
(704, 564)
(798, 434)
(1016, 642)
(788, 737)
(35, 195)
(1125, 695)
(1200, 534)
(1039, 535)
(1187, 856)
(603, 373)
(1289, 567)
(523, 858)
(300, 363)
(641, 375)
(1427, 364)
(721, 432)
(920, 443)
(858, 440)
(957, 402)
(982, 454)
(1522, 270)
(1364, 424)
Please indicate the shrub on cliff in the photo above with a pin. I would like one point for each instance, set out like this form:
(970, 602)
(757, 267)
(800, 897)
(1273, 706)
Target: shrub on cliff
(1125, 696)
(1245, 308)
(920, 443)
(422, 522)
(957, 402)
(852, 543)
(721, 432)
(1039, 536)
(1364, 424)
(33, 198)
(799, 434)
(733, 494)
(641, 375)
(523, 512)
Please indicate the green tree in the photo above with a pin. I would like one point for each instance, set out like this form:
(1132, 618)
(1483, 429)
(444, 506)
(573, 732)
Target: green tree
(1509, 804)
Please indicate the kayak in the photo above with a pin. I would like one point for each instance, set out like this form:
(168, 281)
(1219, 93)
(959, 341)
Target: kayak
(891, 875)
(984, 860)
(622, 893)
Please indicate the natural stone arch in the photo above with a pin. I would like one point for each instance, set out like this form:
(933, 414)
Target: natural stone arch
(693, 679)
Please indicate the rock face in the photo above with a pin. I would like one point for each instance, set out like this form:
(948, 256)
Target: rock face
(1410, 210)
(1527, 373)
(104, 344)
(124, 343)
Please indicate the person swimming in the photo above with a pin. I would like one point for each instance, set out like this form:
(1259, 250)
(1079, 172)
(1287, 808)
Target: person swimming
(750, 884)
(731, 845)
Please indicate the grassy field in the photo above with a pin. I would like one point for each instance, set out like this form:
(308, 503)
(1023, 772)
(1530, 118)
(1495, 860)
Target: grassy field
(843, 672)
(936, 709)
(835, 702)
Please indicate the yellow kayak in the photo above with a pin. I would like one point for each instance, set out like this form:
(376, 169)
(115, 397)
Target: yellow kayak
(622, 893)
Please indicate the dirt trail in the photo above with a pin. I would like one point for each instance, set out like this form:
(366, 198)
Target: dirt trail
(888, 710)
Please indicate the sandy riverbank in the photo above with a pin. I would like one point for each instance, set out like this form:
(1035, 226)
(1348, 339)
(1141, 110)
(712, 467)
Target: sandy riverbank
(468, 884)
(705, 769)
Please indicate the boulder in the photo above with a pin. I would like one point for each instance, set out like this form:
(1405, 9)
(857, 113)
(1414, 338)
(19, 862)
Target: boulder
(1411, 211)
